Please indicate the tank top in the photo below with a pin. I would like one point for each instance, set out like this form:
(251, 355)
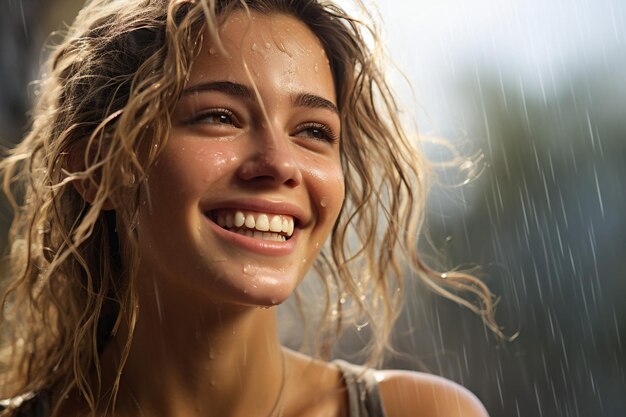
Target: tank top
(363, 391)
(363, 395)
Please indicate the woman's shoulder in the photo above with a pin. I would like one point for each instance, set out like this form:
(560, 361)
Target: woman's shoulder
(409, 394)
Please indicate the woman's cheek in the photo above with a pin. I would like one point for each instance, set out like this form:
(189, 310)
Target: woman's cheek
(195, 167)
(327, 179)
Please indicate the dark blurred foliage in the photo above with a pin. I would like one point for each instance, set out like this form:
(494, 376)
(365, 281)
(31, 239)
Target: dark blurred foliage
(20, 41)
(25, 26)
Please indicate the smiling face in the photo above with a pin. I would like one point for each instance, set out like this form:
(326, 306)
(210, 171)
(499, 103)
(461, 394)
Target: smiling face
(250, 182)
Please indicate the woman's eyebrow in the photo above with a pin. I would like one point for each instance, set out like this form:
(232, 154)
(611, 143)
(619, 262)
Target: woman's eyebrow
(313, 101)
(226, 87)
(245, 92)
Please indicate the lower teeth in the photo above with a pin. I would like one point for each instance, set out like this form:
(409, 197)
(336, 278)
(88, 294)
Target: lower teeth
(276, 237)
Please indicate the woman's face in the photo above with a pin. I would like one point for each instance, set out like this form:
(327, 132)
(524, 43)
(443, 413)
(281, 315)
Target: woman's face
(250, 183)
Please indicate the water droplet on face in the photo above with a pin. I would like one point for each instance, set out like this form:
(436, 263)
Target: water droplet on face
(212, 51)
(324, 202)
(268, 45)
(316, 68)
(254, 47)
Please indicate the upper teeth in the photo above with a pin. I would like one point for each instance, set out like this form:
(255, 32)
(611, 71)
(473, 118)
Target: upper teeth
(262, 222)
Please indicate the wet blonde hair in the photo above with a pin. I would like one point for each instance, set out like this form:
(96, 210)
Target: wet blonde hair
(101, 119)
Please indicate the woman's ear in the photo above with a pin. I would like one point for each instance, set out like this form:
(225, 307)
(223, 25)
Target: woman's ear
(86, 187)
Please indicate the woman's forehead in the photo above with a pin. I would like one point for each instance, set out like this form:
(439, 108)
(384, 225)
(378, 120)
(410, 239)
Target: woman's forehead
(267, 33)
(275, 49)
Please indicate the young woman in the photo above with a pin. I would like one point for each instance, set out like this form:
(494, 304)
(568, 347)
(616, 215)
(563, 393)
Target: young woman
(189, 162)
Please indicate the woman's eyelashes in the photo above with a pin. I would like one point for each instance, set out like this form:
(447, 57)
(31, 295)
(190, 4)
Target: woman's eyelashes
(214, 117)
(318, 131)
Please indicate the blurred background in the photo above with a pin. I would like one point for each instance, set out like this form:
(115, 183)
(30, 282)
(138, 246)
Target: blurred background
(539, 88)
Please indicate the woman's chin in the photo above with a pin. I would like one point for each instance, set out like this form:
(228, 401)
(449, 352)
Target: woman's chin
(259, 286)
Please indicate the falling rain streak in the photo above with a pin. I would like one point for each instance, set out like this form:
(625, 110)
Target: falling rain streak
(540, 89)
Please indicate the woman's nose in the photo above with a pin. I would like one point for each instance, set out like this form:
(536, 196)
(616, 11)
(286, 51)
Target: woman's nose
(272, 162)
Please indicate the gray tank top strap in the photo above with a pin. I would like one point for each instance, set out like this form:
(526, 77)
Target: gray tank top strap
(363, 393)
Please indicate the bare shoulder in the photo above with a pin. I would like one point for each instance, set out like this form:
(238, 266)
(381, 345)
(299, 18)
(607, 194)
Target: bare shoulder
(415, 394)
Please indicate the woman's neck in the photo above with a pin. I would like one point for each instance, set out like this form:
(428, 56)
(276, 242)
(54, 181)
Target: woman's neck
(189, 357)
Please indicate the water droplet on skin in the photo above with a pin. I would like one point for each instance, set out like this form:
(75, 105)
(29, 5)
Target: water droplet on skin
(254, 47)
(268, 45)
(324, 202)
(316, 68)
(212, 51)
(247, 269)
(303, 260)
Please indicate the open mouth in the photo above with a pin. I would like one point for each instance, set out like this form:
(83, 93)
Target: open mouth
(264, 226)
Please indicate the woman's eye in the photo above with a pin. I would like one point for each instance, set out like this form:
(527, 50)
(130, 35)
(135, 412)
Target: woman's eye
(214, 117)
(317, 131)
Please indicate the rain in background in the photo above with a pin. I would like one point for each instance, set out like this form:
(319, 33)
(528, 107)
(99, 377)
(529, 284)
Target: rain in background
(539, 88)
